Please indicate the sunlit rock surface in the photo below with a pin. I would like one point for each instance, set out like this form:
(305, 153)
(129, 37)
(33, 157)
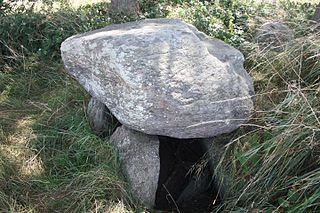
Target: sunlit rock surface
(163, 77)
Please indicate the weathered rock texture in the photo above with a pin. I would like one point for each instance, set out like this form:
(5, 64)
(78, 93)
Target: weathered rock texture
(274, 34)
(139, 154)
(100, 118)
(163, 77)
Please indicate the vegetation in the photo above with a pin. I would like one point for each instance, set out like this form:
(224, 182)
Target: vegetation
(51, 161)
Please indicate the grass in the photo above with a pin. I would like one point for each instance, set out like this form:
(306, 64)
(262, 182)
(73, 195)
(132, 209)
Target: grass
(275, 159)
(50, 160)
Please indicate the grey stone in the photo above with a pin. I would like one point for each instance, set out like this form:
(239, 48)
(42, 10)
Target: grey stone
(100, 118)
(316, 16)
(216, 152)
(163, 77)
(274, 34)
(139, 154)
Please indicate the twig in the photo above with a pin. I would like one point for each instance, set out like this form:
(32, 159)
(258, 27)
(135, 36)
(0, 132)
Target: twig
(171, 198)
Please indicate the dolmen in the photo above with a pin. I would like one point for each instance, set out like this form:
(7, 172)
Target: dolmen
(158, 78)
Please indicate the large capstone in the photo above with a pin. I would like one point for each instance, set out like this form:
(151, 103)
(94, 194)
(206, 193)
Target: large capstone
(163, 77)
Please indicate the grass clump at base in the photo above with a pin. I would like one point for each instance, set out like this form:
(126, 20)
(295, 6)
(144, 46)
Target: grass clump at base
(51, 160)
(275, 159)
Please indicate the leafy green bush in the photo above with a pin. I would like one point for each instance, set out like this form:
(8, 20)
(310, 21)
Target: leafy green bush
(226, 20)
(154, 8)
(220, 20)
(4, 8)
(298, 10)
(26, 31)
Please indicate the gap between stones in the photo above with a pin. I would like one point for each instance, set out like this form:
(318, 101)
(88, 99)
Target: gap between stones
(185, 181)
(186, 178)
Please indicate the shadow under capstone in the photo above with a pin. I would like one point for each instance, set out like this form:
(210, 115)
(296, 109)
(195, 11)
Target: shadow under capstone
(185, 180)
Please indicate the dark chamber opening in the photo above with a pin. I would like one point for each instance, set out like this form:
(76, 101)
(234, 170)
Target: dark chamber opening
(185, 181)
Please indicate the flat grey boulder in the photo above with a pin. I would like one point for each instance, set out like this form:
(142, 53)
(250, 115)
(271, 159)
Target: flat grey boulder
(163, 77)
(274, 33)
(139, 154)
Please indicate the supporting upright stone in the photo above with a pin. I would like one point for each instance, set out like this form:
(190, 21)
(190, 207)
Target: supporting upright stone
(140, 158)
(100, 118)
